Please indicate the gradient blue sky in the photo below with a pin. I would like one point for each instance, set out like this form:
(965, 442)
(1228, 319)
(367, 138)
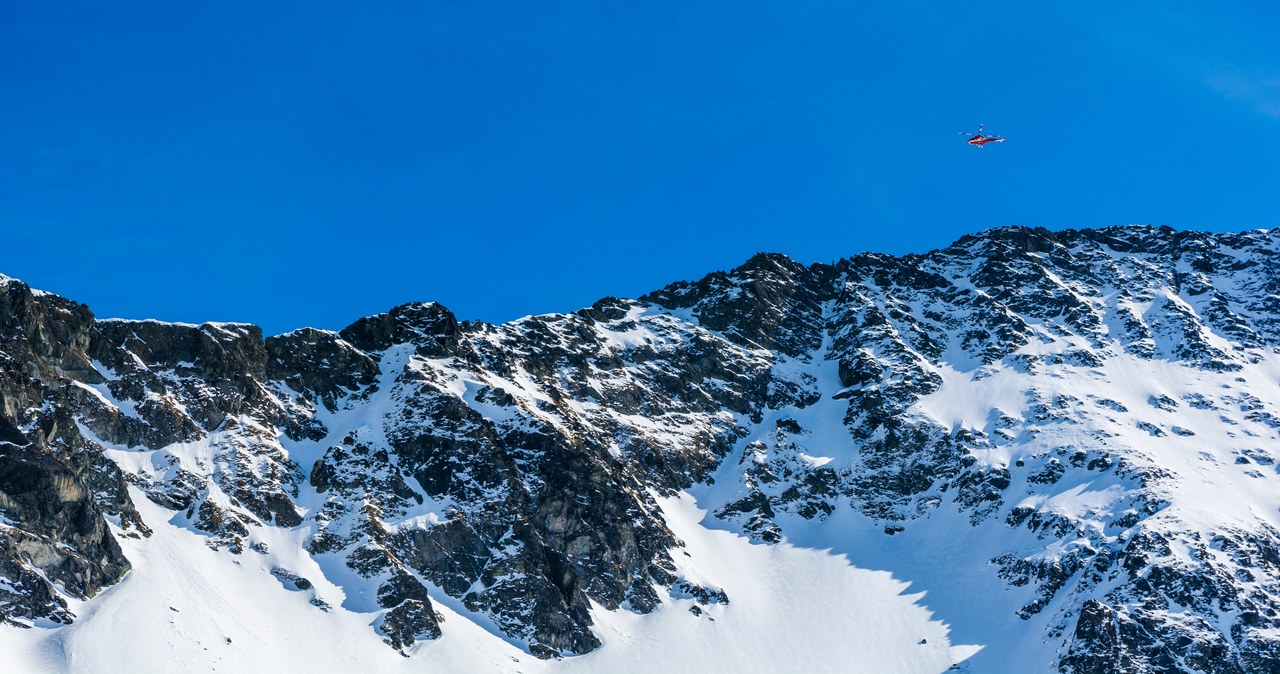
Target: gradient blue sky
(309, 163)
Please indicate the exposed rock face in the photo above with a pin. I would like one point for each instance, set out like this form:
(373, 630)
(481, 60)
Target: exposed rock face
(55, 488)
(513, 468)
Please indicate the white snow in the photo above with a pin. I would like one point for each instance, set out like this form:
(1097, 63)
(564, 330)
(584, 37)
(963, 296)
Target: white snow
(186, 608)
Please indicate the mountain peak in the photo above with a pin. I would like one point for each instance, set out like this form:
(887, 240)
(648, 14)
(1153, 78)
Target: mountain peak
(426, 324)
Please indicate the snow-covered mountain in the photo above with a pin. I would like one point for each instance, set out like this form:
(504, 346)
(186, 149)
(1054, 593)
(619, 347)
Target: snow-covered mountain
(1030, 451)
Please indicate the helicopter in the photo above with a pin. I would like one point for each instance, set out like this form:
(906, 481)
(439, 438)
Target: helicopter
(978, 139)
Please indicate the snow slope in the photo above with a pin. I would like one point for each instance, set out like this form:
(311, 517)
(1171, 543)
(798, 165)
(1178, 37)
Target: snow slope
(187, 608)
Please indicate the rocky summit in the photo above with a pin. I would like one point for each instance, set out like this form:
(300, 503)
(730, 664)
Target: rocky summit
(1064, 444)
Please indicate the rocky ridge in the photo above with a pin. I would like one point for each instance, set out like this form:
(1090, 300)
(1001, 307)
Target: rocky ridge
(1063, 394)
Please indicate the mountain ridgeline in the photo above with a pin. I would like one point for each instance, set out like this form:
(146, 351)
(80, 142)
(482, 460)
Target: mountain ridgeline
(1079, 428)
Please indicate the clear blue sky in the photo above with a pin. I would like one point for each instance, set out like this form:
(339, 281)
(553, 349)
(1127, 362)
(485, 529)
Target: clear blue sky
(312, 162)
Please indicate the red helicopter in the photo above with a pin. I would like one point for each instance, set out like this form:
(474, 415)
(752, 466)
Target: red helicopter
(979, 139)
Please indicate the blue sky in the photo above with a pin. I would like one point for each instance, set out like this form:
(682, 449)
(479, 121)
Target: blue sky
(312, 162)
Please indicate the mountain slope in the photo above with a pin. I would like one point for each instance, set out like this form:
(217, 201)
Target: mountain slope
(1065, 440)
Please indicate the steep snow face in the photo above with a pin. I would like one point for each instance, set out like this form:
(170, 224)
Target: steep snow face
(1111, 483)
(1062, 444)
